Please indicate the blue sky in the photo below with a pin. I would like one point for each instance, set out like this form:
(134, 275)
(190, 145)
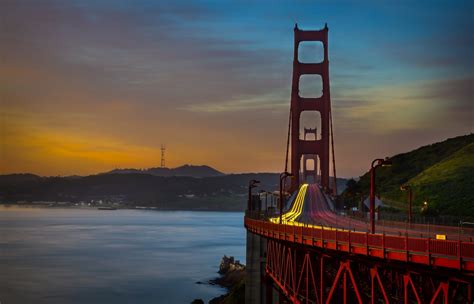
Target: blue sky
(93, 85)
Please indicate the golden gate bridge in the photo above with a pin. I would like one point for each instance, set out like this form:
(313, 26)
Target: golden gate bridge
(307, 252)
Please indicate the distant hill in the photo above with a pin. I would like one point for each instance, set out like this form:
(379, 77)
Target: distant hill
(225, 192)
(441, 173)
(186, 170)
(19, 178)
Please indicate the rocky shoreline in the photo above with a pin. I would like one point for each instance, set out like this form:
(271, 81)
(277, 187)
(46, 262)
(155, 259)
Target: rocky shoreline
(232, 277)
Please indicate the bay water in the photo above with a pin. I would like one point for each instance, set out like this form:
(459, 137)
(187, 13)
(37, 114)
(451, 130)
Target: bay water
(50, 255)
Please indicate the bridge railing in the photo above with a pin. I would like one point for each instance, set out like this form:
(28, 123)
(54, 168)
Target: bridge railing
(402, 216)
(388, 228)
(261, 214)
(446, 253)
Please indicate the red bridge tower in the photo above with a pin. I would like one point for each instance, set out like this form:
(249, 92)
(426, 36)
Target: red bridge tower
(322, 104)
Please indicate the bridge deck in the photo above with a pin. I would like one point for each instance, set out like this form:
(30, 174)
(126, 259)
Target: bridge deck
(311, 208)
(310, 221)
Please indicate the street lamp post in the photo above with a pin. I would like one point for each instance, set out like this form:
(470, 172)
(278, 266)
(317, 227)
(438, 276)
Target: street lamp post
(265, 192)
(410, 199)
(283, 175)
(252, 184)
(375, 164)
(266, 205)
(260, 205)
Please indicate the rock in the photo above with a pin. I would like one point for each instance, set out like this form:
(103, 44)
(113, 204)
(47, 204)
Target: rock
(228, 264)
(232, 277)
(197, 301)
(229, 279)
(218, 300)
(231, 272)
(235, 296)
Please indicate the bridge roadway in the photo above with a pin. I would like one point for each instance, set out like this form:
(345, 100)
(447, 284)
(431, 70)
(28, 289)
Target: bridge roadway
(309, 221)
(310, 207)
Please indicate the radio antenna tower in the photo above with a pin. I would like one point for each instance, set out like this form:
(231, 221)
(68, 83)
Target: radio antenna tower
(163, 149)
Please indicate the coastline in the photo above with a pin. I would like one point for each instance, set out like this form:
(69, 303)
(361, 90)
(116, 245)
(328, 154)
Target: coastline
(95, 207)
(232, 278)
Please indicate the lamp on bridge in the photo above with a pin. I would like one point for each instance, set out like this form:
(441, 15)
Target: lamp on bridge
(410, 197)
(424, 208)
(379, 162)
(283, 175)
(252, 184)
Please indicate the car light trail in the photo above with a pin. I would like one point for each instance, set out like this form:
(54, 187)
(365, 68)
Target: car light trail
(296, 209)
(289, 218)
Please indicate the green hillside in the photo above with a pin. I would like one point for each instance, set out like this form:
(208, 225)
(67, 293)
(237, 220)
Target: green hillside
(454, 174)
(441, 173)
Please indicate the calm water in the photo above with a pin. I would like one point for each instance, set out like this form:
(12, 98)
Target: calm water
(122, 256)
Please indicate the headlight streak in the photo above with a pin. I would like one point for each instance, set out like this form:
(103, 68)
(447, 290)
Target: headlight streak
(296, 209)
(289, 218)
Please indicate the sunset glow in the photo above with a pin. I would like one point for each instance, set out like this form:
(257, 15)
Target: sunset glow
(87, 87)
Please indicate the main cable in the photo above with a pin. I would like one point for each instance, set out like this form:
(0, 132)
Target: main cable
(332, 149)
(288, 142)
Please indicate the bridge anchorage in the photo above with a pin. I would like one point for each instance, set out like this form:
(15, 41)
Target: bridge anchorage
(312, 254)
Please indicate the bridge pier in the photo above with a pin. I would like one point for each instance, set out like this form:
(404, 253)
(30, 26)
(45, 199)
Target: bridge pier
(256, 284)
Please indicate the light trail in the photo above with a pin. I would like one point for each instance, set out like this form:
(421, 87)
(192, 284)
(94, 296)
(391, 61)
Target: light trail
(296, 209)
(289, 218)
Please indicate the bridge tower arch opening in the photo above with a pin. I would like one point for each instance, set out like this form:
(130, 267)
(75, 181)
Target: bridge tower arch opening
(318, 149)
(310, 162)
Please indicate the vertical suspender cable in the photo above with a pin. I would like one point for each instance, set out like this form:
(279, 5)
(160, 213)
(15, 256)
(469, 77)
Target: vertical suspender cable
(288, 143)
(287, 148)
(332, 149)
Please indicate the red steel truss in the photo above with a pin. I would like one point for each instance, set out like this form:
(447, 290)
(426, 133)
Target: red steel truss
(311, 265)
(305, 275)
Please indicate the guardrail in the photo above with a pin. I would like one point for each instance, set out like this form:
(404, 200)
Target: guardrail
(427, 251)
(464, 233)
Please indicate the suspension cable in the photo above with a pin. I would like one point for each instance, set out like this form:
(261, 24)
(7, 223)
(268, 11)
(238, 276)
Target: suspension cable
(287, 148)
(288, 143)
(332, 149)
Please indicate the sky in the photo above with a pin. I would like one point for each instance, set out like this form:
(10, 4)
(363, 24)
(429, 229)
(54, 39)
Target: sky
(88, 86)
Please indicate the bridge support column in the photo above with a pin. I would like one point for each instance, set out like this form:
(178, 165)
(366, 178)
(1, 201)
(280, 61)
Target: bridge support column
(268, 289)
(255, 284)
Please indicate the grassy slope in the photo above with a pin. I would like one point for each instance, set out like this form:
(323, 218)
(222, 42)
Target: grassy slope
(440, 173)
(449, 183)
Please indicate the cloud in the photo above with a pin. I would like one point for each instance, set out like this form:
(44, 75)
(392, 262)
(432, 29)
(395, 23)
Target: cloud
(410, 106)
(458, 91)
(202, 76)
(449, 49)
(161, 51)
(245, 103)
